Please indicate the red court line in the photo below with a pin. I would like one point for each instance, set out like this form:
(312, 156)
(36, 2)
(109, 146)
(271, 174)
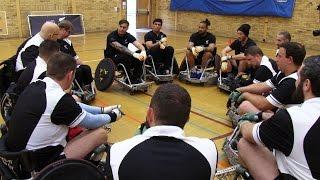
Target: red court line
(201, 115)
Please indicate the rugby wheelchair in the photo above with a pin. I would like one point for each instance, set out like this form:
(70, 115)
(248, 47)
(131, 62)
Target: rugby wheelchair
(107, 72)
(195, 76)
(158, 73)
(229, 82)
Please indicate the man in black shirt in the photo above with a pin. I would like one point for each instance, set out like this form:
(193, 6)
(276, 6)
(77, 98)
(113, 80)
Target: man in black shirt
(156, 43)
(117, 50)
(281, 86)
(239, 46)
(83, 73)
(292, 134)
(201, 47)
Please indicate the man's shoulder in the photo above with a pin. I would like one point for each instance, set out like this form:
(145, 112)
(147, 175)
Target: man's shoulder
(251, 42)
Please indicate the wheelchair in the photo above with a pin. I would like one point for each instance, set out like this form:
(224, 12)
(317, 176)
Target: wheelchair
(160, 75)
(107, 72)
(196, 76)
(86, 93)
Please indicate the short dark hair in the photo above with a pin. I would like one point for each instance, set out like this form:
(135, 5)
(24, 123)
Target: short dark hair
(59, 65)
(295, 50)
(171, 104)
(285, 34)
(157, 20)
(206, 22)
(253, 50)
(48, 47)
(311, 71)
(123, 21)
(65, 24)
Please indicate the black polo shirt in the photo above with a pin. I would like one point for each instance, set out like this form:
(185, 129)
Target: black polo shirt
(114, 37)
(151, 36)
(67, 47)
(239, 48)
(202, 40)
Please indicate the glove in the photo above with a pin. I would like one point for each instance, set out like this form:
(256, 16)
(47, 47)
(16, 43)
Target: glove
(163, 42)
(225, 58)
(143, 55)
(137, 56)
(240, 99)
(252, 117)
(162, 46)
(233, 97)
(199, 49)
(108, 109)
(224, 66)
(194, 52)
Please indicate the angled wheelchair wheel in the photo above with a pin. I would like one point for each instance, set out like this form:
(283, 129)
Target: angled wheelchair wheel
(7, 105)
(104, 74)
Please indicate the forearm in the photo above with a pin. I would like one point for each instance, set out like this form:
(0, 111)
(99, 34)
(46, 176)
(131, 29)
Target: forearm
(258, 101)
(258, 88)
(121, 48)
(239, 57)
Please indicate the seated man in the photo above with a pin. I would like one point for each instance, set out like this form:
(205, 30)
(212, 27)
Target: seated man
(43, 126)
(201, 47)
(282, 37)
(117, 50)
(29, 52)
(292, 134)
(156, 43)
(281, 86)
(237, 61)
(83, 72)
(37, 69)
(163, 151)
(263, 67)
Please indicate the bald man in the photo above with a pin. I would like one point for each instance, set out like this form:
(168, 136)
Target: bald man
(30, 51)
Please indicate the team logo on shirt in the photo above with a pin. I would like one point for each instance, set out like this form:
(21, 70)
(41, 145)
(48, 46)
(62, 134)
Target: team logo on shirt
(207, 41)
(126, 41)
(65, 46)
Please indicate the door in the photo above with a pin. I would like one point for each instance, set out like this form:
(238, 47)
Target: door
(143, 13)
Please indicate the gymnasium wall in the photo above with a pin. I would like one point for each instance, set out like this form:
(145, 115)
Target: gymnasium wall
(99, 15)
(305, 19)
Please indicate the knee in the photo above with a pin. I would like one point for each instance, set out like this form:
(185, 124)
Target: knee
(207, 55)
(102, 134)
(243, 107)
(242, 145)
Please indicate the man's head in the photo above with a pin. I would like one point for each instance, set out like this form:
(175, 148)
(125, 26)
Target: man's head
(308, 83)
(282, 37)
(290, 56)
(254, 55)
(203, 26)
(62, 67)
(50, 31)
(157, 24)
(170, 105)
(66, 28)
(243, 32)
(123, 27)
(47, 48)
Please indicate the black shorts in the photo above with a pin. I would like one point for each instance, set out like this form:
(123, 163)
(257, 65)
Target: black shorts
(283, 176)
(47, 155)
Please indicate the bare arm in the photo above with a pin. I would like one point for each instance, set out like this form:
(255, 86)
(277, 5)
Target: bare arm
(258, 101)
(121, 48)
(190, 45)
(239, 57)
(210, 48)
(258, 88)
(226, 50)
(150, 45)
(138, 45)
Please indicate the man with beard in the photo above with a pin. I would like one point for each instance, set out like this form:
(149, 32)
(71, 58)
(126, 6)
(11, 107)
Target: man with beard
(292, 133)
(237, 61)
(201, 47)
(281, 86)
(117, 50)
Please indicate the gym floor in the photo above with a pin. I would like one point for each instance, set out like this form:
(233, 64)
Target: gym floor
(207, 118)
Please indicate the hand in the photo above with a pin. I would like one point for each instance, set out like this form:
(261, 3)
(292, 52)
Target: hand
(110, 108)
(164, 41)
(252, 117)
(136, 55)
(194, 52)
(143, 55)
(199, 49)
(225, 58)
(233, 97)
(162, 46)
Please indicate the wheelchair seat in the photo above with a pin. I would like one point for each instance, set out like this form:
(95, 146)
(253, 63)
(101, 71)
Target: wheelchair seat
(70, 169)
(15, 165)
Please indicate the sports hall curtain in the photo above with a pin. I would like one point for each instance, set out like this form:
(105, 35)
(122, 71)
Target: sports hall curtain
(282, 8)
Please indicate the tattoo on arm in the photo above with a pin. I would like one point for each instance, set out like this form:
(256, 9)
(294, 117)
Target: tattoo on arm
(121, 48)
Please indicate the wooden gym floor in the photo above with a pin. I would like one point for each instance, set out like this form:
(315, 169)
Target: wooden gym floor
(207, 118)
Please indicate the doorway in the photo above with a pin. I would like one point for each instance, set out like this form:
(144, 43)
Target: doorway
(138, 13)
